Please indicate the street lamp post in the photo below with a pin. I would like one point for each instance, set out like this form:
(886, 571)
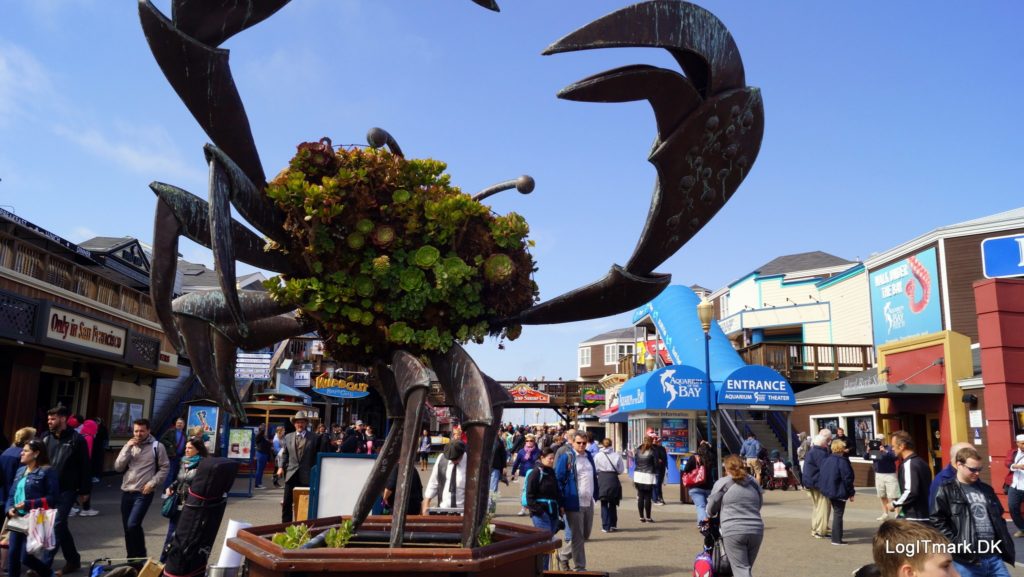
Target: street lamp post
(706, 312)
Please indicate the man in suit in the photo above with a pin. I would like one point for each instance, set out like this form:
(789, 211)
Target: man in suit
(297, 460)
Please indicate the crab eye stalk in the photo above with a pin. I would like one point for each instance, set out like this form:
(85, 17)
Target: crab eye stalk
(524, 184)
(377, 137)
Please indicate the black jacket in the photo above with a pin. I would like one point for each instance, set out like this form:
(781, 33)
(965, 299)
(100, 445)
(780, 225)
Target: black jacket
(952, 516)
(69, 457)
(709, 470)
(500, 457)
(660, 459)
(646, 461)
(542, 492)
(915, 478)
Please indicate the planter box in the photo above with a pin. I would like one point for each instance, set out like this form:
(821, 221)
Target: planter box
(517, 551)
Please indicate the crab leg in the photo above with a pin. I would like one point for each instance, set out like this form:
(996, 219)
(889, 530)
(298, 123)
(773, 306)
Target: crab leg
(480, 400)
(388, 456)
(216, 370)
(413, 382)
(266, 332)
(179, 213)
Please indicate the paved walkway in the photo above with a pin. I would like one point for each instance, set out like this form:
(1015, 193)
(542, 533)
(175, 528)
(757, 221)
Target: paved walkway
(666, 547)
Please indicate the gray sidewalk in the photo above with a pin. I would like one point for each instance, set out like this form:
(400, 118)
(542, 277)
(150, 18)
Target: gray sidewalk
(664, 548)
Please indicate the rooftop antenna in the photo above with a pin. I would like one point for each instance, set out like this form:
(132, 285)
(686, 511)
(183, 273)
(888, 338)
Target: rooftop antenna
(7, 206)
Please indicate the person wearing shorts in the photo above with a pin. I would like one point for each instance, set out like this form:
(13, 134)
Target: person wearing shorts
(424, 449)
(887, 486)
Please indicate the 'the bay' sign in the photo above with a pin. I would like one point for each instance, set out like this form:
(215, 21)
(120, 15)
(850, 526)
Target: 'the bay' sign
(1003, 256)
(756, 385)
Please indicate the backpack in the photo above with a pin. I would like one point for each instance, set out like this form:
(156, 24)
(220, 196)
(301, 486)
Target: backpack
(702, 565)
(526, 481)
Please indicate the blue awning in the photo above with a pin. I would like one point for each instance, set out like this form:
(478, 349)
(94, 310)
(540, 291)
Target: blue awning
(675, 387)
(756, 385)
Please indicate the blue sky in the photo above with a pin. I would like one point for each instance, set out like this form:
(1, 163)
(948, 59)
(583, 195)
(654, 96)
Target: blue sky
(882, 123)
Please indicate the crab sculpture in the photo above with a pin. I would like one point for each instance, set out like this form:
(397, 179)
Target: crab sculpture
(709, 129)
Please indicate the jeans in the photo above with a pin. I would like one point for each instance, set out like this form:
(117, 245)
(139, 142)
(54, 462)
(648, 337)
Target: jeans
(134, 506)
(656, 496)
(261, 466)
(1014, 498)
(17, 556)
(549, 522)
(700, 500)
(609, 515)
(838, 508)
(987, 566)
(65, 542)
(492, 498)
(172, 472)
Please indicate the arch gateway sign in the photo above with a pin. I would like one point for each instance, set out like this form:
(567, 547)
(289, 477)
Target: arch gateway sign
(756, 385)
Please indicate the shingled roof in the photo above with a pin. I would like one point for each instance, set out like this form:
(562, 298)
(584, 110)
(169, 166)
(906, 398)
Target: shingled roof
(615, 335)
(801, 261)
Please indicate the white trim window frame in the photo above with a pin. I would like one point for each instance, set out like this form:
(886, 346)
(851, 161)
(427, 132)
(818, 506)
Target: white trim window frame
(843, 419)
(611, 354)
(583, 358)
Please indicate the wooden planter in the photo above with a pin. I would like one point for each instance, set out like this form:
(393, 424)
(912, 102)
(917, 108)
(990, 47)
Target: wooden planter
(516, 552)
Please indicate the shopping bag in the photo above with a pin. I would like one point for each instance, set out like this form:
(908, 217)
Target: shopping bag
(40, 530)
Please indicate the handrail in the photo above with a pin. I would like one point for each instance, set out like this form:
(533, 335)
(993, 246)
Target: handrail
(786, 357)
(778, 426)
(176, 408)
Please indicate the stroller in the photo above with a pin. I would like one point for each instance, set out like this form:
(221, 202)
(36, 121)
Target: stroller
(200, 519)
(778, 473)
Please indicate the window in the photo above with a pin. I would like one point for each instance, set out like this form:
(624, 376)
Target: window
(612, 353)
(858, 428)
(585, 356)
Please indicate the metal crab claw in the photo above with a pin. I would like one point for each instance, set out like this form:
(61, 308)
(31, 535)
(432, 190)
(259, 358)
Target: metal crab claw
(710, 124)
(489, 4)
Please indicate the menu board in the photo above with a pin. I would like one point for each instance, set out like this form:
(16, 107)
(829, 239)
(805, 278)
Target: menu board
(675, 436)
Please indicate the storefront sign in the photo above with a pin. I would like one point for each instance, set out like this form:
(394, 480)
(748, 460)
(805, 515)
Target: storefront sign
(905, 298)
(1003, 256)
(526, 395)
(676, 387)
(240, 444)
(340, 388)
(203, 422)
(252, 365)
(592, 396)
(76, 329)
(301, 379)
(756, 385)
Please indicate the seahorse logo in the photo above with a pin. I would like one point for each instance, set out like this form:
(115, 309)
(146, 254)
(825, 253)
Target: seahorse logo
(894, 318)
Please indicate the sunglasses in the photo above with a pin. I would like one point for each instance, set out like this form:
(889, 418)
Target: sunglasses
(974, 470)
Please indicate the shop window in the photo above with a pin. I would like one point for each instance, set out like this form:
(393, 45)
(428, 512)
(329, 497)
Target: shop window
(585, 356)
(859, 428)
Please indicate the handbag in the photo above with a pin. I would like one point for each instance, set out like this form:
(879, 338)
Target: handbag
(720, 565)
(170, 507)
(696, 476)
(17, 525)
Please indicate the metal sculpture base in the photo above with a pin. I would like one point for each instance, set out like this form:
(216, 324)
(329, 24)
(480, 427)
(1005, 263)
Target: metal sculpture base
(517, 551)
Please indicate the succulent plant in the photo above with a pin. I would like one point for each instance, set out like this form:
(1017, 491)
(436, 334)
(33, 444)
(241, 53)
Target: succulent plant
(396, 256)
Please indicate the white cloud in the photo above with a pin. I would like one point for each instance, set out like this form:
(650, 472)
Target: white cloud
(142, 149)
(81, 233)
(24, 83)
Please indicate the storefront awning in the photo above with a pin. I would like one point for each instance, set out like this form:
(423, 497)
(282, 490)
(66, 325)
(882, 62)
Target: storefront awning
(883, 389)
(675, 387)
(756, 385)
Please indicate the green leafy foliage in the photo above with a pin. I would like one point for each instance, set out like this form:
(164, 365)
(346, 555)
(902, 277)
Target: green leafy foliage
(338, 537)
(486, 534)
(395, 256)
(294, 536)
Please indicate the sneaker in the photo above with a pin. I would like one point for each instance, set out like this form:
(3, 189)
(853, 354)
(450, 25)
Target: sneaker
(521, 513)
(885, 516)
(604, 530)
(838, 544)
(88, 513)
(613, 529)
(74, 511)
(643, 519)
(1018, 534)
(95, 480)
(649, 520)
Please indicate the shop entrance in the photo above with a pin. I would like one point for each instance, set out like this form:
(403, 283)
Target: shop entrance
(54, 390)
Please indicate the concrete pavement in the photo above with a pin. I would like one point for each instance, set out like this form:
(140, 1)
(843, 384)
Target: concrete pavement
(664, 548)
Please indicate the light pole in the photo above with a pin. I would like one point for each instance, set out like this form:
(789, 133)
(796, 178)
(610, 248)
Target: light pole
(706, 312)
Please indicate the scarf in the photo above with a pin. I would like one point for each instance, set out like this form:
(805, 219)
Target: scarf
(191, 462)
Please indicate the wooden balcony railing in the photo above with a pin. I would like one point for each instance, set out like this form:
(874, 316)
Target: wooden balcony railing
(810, 362)
(51, 269)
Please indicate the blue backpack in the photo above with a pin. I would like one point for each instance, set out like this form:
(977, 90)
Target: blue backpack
(526, 480)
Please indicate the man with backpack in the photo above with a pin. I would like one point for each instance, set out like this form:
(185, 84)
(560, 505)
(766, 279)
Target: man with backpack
(144, 462)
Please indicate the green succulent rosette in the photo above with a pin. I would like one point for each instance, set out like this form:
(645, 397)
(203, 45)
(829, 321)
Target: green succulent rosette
(395, 256)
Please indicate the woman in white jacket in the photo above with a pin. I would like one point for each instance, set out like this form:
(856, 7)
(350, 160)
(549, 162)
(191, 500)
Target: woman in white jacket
(609, 466)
